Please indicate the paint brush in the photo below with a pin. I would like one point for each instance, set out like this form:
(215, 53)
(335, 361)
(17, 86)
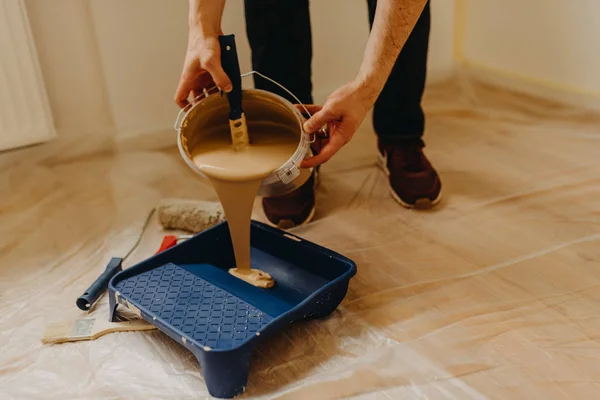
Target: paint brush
(237, 118)
(90, 329)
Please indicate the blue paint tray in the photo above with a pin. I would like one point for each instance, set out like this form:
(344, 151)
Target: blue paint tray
(187, 293)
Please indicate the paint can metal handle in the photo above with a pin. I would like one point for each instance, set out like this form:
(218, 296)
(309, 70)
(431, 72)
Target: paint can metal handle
(183, 112)
(214, 89)
(323, 130)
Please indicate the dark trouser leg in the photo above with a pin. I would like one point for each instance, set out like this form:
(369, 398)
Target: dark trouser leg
(397, 115)
(280, 39)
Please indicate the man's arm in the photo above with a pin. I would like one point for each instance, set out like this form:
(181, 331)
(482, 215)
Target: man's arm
(347, 107)
(205, 16)
(202, 65)
(394, 21)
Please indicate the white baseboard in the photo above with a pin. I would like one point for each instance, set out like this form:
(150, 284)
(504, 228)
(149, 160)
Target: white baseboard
(129, 134)
(533, 88)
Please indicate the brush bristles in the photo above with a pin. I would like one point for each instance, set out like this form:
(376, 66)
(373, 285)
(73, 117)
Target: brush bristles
(62, 332)
(57, 333)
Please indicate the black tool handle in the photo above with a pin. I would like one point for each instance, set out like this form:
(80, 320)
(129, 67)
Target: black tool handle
(87, 299)
(231, 66)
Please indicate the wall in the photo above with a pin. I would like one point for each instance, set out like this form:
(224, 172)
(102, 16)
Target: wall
(117, 62)
(70, 65)
(25, 116)
(441, 45)
(552, 43)
(142, 44)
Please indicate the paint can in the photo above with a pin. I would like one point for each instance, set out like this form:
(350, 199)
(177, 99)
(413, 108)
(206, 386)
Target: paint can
(211, 108)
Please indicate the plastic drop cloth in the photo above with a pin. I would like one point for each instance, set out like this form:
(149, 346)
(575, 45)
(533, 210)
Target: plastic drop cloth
(495, 294)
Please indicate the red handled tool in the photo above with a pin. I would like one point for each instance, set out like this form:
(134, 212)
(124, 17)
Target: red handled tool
(170, 241)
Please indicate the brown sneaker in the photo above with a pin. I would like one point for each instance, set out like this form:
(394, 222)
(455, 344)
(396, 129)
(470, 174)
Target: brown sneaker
(292, 209)
(414, 183)
(298, 207)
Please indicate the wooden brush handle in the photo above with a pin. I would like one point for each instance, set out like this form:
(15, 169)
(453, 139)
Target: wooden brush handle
(106, 327)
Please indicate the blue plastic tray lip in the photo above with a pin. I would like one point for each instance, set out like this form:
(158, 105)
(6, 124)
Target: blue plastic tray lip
(303, 242)
(167, 328)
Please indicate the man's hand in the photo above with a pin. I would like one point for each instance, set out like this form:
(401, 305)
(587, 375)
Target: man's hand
(201, 69)
(343, 112)
(202, 66)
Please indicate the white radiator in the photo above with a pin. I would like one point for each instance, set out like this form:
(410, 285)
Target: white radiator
(25, 116)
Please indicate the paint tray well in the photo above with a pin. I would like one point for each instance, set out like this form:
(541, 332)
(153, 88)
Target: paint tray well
(188, 294)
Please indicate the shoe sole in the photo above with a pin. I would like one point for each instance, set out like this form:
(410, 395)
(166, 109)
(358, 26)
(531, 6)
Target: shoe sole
(286, 224)
(423, 203)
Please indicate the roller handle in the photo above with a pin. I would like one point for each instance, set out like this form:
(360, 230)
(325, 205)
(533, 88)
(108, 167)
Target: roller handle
(89, 297)
(231, 66)
(168, 242)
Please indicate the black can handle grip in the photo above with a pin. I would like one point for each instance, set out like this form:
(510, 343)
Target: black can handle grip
(231, 66)
(91, 295)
